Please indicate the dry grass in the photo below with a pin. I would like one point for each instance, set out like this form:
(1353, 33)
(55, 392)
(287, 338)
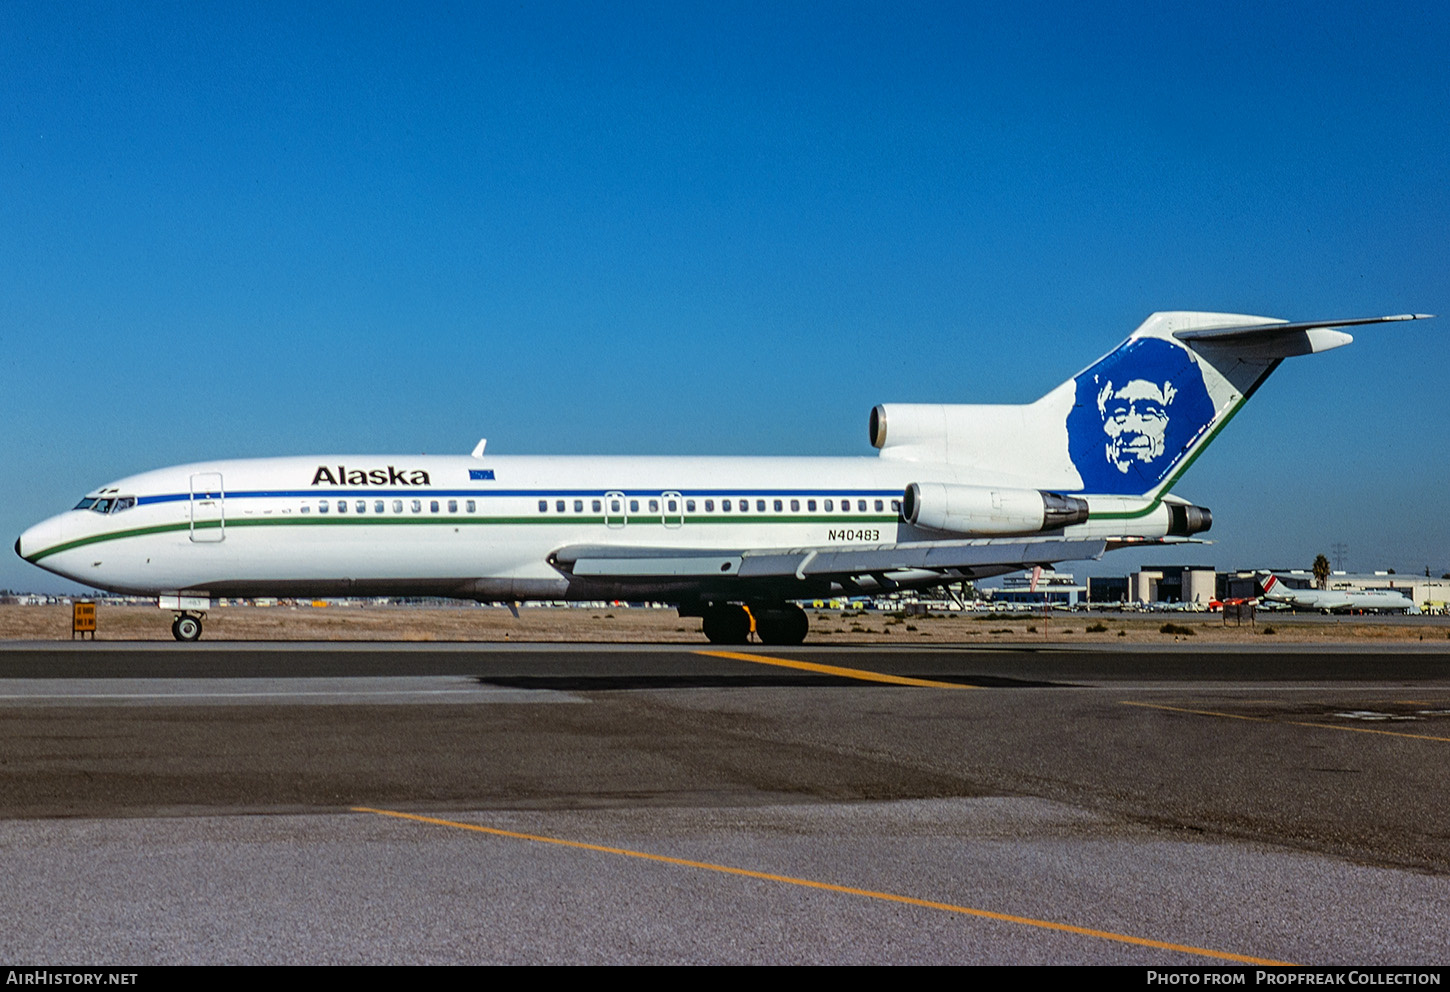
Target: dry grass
(617, 624)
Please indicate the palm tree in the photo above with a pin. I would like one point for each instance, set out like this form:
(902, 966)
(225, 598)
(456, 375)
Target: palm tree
(1321, 571)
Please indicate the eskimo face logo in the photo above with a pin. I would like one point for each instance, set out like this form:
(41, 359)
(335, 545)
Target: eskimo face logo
(1136, 413)
(1135, 419)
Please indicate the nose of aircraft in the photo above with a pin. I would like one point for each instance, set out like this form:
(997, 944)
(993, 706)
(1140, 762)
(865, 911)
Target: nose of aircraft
(44, 535)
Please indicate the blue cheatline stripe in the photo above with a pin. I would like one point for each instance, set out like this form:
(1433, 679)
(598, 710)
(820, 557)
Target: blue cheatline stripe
(421, 492)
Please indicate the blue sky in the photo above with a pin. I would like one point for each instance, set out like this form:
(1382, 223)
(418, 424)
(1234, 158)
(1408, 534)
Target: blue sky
(257, 229)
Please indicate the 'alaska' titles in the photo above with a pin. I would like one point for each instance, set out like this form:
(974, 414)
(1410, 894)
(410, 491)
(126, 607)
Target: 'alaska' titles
(389, 476)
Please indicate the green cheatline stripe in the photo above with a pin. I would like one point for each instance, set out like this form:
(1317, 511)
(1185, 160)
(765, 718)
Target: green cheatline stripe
(367, 521)
(136, 532)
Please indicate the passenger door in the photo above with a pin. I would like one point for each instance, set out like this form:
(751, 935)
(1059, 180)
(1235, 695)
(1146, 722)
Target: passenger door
(208, 508)
(615, 514)
(672, 509)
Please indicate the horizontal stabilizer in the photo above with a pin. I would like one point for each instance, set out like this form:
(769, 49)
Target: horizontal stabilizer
(1276, 329)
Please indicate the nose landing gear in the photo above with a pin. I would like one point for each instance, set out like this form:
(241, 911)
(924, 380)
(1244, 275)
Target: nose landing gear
(186, 627)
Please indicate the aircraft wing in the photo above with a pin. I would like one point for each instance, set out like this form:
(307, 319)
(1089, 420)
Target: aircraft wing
(952, 559)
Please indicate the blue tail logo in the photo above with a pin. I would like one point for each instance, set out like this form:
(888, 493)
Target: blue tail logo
(1136, 413)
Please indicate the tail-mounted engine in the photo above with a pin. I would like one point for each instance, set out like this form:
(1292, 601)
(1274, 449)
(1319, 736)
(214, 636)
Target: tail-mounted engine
(989, 510)
(1184, 519)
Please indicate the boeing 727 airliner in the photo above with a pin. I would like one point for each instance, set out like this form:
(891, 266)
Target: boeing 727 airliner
(955, 492)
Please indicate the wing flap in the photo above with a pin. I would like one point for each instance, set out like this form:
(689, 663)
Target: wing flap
(626, 563)
(643, 563)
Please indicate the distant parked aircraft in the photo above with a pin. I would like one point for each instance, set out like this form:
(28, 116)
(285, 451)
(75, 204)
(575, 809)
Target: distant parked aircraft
(1337, 600)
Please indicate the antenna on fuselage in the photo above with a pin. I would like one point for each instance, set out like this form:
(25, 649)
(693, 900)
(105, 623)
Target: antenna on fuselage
(478, 448)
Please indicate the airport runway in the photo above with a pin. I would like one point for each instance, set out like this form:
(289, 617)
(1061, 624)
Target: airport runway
(612, 803)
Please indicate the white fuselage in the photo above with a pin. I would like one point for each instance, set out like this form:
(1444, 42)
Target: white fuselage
(477, 528)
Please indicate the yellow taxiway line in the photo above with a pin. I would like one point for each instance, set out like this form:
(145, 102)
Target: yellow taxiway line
(1285, 723)
(849, 673)
(947, 907)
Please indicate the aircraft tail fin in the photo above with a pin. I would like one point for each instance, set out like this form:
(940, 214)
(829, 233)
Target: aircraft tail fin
(1132, 422)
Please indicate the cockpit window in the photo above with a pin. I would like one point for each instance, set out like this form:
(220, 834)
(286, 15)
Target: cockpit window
(106, 504)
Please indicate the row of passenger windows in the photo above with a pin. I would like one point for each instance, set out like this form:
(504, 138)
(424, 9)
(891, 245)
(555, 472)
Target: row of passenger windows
(616, 505)
(381, 506)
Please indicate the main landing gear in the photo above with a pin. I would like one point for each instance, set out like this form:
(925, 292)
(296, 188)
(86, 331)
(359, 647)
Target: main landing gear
(775, 623)
(186, 627)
